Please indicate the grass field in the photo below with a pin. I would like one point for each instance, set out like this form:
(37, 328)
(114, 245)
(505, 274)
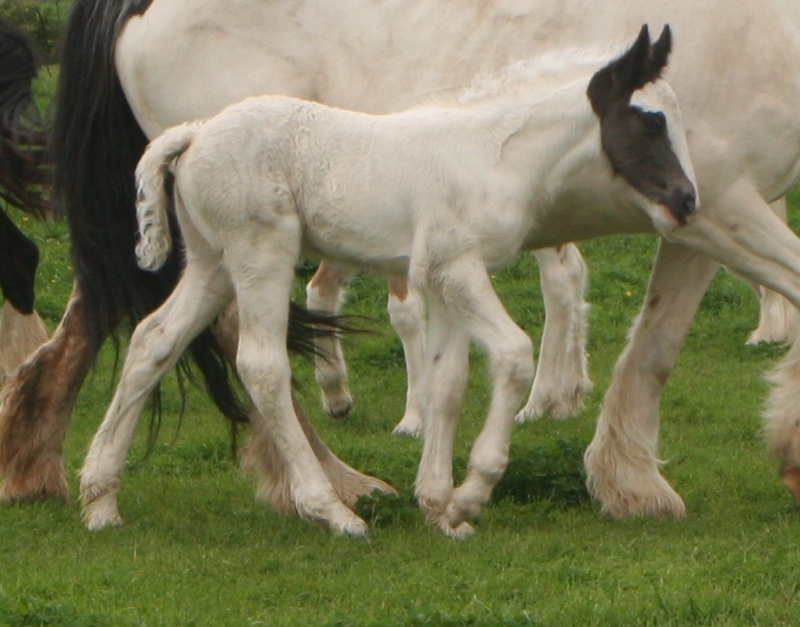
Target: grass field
(197, 549)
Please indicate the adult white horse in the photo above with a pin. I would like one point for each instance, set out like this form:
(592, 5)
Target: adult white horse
(442, 194)
(380, 57)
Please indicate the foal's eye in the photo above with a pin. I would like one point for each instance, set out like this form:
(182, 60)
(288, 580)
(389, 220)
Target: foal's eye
(654, 123)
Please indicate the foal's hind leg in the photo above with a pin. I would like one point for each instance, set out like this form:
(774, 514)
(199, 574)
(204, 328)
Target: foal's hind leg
(155, 347)
(324, 293)
(562, 380)
(263, 458)
(263, 282)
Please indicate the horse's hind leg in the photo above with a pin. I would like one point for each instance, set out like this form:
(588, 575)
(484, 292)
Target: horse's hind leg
(562, 380)
(21, 328)
(325, 293)
(155, 347)
(262, 456)
(20, 335)
(621, 460)
(776, 313)
(407, 315)
(37, 406)
(263, 282)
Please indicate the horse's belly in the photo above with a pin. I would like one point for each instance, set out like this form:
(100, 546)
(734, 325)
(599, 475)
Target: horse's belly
(365, 238)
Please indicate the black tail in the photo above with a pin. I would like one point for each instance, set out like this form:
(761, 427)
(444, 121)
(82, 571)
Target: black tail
(23, 137)
(96, 144)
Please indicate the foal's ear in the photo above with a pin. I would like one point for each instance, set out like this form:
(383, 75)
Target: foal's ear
(642, 63)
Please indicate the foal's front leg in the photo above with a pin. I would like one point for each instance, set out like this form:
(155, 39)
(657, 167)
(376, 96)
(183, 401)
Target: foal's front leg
(776, 313)
(464, 289)
(155, 347)
(445, 382)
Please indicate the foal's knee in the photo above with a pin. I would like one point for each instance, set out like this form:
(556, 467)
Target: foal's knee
(406, 314)
(514, 362)
(263, 370)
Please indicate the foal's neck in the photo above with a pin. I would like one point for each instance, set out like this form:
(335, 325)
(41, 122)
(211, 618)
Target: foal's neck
(548, 140)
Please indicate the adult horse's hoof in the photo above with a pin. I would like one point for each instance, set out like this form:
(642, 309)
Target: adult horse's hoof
(47, 482)
(790, 475)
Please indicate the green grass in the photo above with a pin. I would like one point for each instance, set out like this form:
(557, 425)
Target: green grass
(197, 549)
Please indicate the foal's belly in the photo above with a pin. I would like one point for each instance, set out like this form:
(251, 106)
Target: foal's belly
(359, 238)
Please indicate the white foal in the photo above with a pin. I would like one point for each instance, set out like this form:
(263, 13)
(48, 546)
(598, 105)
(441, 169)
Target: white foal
(441, 194)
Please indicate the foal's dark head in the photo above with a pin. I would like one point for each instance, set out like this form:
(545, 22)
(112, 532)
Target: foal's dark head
(635, 139)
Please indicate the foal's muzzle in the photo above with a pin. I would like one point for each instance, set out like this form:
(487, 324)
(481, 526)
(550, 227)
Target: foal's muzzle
(682, 203)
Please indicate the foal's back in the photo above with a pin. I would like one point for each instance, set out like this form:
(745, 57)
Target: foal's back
(362, 187)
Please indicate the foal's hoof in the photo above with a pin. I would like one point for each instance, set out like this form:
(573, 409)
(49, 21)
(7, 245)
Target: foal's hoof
(436, 513)
(346, 524)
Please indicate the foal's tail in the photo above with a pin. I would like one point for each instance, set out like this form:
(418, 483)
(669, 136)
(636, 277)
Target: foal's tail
(153, 179)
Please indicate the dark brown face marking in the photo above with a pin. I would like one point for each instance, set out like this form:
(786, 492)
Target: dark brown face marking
(635, 141)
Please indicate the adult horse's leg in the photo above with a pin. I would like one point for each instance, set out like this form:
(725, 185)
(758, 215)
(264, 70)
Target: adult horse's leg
(776, 314)
(406, 313)
(407, 316)
(262, 457)
(21, 328)
(621, 460)
(325, 292)
(37, 406)
(20, 335)
(782, 414)
(562, 380)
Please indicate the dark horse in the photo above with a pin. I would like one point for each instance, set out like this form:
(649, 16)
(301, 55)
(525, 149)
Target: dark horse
(23, 171)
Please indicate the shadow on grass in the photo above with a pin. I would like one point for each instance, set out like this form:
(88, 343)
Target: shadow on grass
(552, 474)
